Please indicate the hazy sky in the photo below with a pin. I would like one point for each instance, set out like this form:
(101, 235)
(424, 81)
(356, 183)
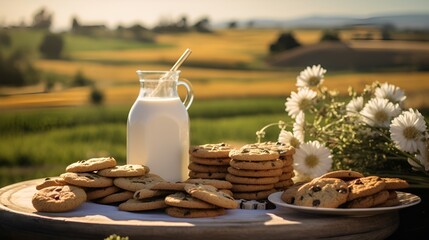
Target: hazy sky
(149, 12)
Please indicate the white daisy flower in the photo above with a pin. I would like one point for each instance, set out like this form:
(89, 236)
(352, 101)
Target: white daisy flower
(288, 138)
(312, 159)
(407, 130)
(300, 101)
(390, 92)
(378, 112)
(310, 77)
(354, 106)
(298, 127)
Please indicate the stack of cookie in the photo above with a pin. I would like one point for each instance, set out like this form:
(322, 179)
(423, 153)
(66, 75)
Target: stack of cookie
(254, 171)
(286, 155)
(209, 161)
(199, 200)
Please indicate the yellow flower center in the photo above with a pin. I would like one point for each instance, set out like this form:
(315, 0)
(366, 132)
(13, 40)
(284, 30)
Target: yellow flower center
(294, 142)
(381, 116)
(304, 104)
(410, 132)
(311, 161)
(313, 81)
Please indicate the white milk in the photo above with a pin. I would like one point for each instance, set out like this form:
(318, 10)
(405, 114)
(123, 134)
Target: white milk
(158, 136)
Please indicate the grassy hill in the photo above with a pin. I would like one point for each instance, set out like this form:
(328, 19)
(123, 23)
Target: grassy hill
(371, 56)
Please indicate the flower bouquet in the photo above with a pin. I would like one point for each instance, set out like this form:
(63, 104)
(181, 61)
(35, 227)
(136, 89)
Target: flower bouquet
(369, 132)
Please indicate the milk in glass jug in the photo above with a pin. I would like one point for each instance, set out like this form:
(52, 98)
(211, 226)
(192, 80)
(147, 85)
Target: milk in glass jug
(158, 125)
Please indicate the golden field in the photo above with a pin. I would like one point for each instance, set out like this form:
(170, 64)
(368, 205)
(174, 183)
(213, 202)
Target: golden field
(225, 64)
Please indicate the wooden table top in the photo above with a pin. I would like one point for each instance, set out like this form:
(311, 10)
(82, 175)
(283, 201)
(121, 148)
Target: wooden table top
(18, 219)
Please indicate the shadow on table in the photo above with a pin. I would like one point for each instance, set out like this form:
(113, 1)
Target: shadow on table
(414, 221)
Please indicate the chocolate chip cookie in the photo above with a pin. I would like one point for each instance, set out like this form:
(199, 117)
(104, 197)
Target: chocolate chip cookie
(323, 193)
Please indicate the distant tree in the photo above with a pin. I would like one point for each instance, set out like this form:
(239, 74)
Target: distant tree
(5, 39)
(250, 24)
(202, 25)
(183, 23)
(96, 96)
(136, 28)
(80, 80)
(232, 24)
(17, 70)
(141, 33)
(285, 42)
(385, 35)
(75, 23)
(166, 25)
(42, 19)
(386, 31)
(120, 28)
(52, 45)
(330, 36)
(49, 83)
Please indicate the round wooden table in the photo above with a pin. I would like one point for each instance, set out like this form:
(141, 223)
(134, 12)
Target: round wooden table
(19, 220)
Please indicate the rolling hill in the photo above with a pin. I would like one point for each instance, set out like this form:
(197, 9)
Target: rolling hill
(356, 55)
(417, 21)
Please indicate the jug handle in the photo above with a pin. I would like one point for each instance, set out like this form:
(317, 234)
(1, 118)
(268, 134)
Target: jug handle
(189, 92)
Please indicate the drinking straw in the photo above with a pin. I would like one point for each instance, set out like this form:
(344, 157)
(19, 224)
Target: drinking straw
(176, 66)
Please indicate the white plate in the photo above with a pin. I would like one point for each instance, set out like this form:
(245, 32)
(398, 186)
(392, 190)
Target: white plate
(406, 200)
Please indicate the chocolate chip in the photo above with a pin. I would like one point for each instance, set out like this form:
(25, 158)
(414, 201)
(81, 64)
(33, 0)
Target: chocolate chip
(316, 203)
(316, 188)
(342, 190)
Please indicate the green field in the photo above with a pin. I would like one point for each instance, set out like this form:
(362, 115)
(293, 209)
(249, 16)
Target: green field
(41, 142)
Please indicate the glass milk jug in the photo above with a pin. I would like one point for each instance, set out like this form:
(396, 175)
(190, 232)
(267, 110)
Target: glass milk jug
(158, 125)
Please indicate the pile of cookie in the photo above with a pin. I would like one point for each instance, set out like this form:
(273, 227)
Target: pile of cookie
(258, 170)
(345, 189)
(196, 198)
(209, 161)
(132, 188)
(85, 180)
